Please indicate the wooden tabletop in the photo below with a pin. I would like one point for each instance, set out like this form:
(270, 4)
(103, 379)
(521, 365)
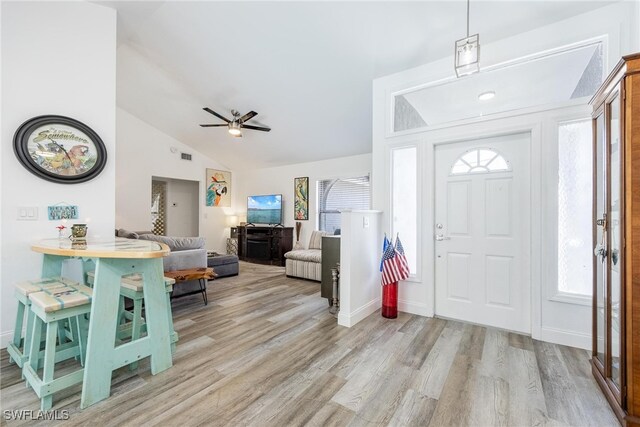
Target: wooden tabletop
(191, 274)
(104, 248)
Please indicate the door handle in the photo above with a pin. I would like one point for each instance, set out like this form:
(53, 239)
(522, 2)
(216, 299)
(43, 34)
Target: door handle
(441, 237)
(600, 251)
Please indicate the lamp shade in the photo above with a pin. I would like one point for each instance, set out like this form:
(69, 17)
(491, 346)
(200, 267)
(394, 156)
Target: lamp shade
(232, 220)
(467, 55)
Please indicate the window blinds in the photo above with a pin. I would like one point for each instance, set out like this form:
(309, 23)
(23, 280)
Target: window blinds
(335, 195)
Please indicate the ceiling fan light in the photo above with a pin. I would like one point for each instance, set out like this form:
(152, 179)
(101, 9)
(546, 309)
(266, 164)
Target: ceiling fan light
(234, 129)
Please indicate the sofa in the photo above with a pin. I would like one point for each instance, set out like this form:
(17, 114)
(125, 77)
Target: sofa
(186, 252)
(223, 265)
(306, 263)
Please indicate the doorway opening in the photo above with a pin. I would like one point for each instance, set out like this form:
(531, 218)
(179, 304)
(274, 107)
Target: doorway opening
(175, 207)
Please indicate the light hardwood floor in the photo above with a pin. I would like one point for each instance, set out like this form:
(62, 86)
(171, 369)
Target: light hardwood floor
(266, 352)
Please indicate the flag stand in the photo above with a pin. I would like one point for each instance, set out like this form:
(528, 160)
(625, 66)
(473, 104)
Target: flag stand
(390, 300)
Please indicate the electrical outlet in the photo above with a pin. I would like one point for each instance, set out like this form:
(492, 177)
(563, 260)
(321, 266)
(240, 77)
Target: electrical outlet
(365, 222)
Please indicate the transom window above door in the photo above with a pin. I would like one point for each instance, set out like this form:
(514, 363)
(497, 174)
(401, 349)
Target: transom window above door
(480, 160)
(553, 77)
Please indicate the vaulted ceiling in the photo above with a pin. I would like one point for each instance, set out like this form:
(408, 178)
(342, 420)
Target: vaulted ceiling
(305, 67)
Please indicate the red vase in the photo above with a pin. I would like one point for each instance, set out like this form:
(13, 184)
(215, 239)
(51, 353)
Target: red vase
(390, 300)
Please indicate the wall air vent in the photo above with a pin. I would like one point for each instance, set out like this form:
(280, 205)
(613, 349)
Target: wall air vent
(185, 156)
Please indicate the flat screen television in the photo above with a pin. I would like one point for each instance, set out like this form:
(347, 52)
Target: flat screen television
(264, 209)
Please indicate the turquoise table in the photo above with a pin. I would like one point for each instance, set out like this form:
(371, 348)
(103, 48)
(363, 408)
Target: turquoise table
(114, 258)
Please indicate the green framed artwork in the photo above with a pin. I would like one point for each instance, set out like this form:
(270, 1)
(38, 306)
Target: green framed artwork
(301, 198)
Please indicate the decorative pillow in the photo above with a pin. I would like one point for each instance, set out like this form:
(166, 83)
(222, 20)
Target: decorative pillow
(126, 234)
(316, 240)
(177, 243)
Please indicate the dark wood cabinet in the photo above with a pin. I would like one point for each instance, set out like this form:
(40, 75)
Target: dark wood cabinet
(616, 239)
(264, 245)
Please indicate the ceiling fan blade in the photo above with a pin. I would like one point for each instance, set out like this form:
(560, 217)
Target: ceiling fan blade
(209, 110)
(256, 128)
(247, 117)
(212, 126)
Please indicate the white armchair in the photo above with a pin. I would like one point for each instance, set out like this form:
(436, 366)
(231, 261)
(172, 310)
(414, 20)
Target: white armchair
(306, 263)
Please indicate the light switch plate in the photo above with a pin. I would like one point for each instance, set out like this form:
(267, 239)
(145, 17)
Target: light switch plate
(28, 213)
(365, 222)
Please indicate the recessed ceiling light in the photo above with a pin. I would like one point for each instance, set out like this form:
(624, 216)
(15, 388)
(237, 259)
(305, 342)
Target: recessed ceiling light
(485, 96)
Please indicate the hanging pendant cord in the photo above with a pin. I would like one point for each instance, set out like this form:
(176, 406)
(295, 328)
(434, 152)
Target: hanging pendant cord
(468, 18)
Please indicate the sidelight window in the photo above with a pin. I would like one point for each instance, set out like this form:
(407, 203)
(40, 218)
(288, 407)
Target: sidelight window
(404, 201)
(575, 178)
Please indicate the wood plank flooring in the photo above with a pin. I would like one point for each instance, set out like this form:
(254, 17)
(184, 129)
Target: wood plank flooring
(266, 352)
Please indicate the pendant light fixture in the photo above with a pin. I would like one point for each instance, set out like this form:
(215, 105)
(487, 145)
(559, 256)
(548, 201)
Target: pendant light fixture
(467, 53)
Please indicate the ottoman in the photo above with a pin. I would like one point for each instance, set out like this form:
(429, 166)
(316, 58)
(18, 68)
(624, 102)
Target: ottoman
(223, 265)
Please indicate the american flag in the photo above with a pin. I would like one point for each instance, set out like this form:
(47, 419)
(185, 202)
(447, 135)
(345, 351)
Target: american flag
(391, 272)
(385, 244)
(402, 259)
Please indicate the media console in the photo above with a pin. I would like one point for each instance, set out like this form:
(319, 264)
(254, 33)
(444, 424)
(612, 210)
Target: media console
(264, 244)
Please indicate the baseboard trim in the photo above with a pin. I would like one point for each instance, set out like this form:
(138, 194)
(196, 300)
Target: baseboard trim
(565, 337)
(5, 338)
(414, 308)
(348, 320)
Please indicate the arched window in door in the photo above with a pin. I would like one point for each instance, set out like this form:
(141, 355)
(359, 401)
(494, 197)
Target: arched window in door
(480, 160)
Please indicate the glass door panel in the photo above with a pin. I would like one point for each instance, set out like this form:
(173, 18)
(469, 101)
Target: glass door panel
(615, 236)
(600, 270)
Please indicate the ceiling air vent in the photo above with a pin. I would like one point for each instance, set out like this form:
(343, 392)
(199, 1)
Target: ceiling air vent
(185, 156)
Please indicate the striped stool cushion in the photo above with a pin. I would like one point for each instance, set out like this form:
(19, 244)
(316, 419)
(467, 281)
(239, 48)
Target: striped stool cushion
(31, 286)
(56, 299)
(131, 281)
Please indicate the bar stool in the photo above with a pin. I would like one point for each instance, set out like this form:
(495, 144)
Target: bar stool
(131, 286)
(18, 347)
(50, 307)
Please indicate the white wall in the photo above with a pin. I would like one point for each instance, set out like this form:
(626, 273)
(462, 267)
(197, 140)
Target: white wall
(566, 321)
(279, 180)
(3, 340)
(145, 152)
(360, 252)
(58, 58)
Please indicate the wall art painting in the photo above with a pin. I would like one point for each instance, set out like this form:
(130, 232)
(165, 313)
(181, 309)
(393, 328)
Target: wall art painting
(301, 198)
(218, 188)
(59, 149)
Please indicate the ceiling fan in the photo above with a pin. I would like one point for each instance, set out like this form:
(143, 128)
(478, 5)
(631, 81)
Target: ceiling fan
(237, 124)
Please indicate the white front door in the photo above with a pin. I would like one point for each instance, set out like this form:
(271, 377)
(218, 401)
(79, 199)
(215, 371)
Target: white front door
(482, 231)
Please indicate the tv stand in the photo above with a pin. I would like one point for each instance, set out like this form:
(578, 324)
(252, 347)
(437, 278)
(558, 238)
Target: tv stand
(264, 244)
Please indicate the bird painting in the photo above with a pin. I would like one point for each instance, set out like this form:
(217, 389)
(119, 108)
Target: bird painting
(301, 199)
